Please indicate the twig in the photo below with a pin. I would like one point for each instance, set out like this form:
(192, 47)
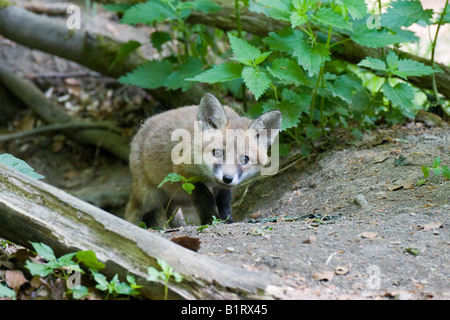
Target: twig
(58, 127)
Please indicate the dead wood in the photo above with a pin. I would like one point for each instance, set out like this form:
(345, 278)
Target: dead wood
(31, 210)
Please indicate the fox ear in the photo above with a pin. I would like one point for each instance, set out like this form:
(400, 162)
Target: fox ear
(211, 113)
(268, 121)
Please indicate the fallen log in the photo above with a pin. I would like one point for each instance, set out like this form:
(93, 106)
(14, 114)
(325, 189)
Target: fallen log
(31, 96)
(31, 210)
(95, 51)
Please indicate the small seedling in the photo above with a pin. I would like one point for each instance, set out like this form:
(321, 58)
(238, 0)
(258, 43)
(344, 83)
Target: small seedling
(165, 274)
(214, 222)
(115, 287)
(437, 168)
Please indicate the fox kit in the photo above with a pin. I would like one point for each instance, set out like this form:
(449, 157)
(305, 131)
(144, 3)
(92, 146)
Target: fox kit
(204, 152)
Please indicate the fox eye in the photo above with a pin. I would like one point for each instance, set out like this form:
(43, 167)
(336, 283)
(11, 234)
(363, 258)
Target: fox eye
(244, 159)
(217, 153)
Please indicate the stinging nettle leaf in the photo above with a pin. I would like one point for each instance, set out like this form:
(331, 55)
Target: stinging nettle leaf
(405, 13)
(150, 75)
(373, 63)
(220, 73)
(401, 96)
(256, 80)
(243, 51)
(288, 70)
(329, 17)
(149, 12)
(311, 58)
(356, 8)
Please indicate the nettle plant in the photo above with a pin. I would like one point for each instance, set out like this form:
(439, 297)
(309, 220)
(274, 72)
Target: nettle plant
(292, 70)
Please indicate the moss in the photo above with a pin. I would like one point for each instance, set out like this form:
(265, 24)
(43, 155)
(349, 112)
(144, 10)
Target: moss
(5, 4)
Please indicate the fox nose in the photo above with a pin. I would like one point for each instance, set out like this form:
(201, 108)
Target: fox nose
(227, 179)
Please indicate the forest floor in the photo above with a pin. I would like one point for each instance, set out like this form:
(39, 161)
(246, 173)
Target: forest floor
(346, 223)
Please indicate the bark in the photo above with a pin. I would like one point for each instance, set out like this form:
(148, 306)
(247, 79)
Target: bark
(261, 25)
(30, 95)
(31, 210)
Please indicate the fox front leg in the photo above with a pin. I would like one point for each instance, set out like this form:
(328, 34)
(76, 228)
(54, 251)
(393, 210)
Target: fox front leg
(204, 202)
(223, 202)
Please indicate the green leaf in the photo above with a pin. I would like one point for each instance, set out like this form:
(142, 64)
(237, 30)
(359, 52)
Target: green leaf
(346, 87)
(329, 17)
(256, 80)
(298, 18)
(188, 187)
(43, 250)
(277, 9)
(79, 292)
(437, 162)
(66, 261)
(356, 8)
(312, 132)
(401, 96)
(102, 282)
(375, 38)
(7, 292)
(288, 70)
(37, 269)
(445, 172)
(262, 57)
(426, 171)
(149, 12)
(172, 177)
(290, 113)
(405, 13)
(188, 69)
(19, 165)
(206, 6)
(150, 75)
(311, 58)
(220, 73)
(118, 8)
(373, 63)
(89, 259)
(124, 51)
(158, 38)
(243, 51)
(153, 274)
(411, 68)
(285, 40)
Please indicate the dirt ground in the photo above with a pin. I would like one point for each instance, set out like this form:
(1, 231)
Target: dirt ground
(345, 224)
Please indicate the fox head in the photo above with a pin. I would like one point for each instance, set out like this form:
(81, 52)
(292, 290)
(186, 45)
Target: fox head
(233, 148)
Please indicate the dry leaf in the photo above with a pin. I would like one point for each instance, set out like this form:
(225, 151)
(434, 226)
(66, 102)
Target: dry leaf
(340, 270)
(324, 276)
(408, 185)
(432, 225)
(187, 242)
(369, 235)
(14, 279)
(395, 187)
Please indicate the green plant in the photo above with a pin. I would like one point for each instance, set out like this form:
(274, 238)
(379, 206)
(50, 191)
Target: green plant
(7, 292)
(19, 165)
(214, 222)
(437, 168)
(165, 274)
(64, 266)
(187, 185)
(115, 287)
(188, 43)
(293, 69)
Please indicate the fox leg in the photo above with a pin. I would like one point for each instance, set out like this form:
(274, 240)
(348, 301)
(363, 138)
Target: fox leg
(204, 202)
(223, 202)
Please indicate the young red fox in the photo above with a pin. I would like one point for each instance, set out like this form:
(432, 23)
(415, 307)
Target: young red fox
(207, 150)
